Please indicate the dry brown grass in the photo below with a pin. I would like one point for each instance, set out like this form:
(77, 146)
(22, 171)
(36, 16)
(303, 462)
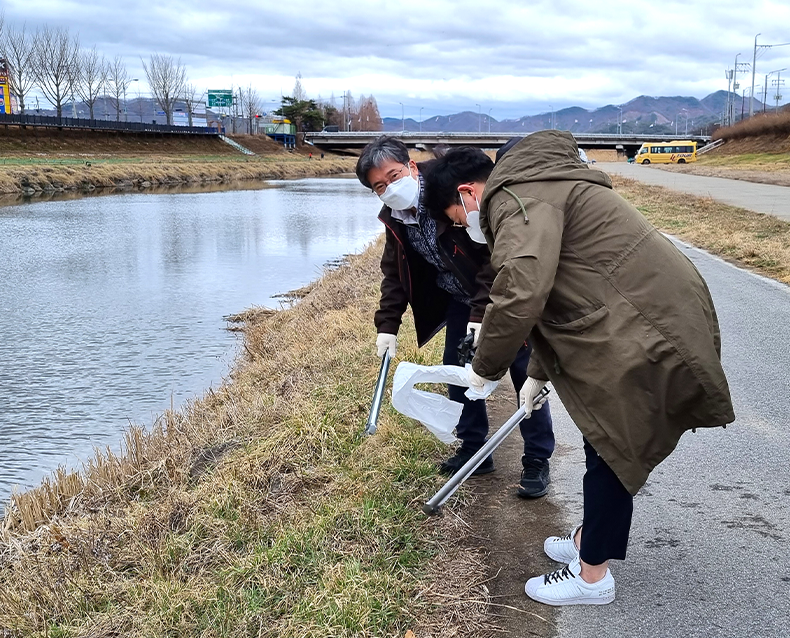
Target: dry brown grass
(16, 178)
(760, 242)
(775, 126)
(258, 510)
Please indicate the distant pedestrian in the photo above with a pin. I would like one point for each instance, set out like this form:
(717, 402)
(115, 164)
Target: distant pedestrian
(311, 155)
(322, 155)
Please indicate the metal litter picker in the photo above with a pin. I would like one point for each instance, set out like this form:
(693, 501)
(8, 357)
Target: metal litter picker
(378, 395)
(434, 505)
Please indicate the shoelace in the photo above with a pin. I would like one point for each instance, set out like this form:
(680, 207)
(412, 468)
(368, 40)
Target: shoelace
(557, 576)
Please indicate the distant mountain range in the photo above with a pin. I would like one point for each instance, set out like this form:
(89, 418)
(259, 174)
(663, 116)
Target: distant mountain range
(644, 114)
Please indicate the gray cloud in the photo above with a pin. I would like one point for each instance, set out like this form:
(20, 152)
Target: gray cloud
(512, 57)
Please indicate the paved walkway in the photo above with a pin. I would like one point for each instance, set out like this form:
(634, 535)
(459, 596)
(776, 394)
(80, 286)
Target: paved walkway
(761, 198)
(708, 555)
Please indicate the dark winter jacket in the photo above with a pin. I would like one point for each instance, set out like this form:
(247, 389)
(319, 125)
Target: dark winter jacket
(410, 280)
(621, 322)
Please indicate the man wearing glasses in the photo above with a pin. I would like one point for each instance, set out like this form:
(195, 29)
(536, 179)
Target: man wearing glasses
(442, 269)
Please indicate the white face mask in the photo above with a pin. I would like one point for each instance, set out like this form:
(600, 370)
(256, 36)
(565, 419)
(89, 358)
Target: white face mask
(403, 194)
(473, 219)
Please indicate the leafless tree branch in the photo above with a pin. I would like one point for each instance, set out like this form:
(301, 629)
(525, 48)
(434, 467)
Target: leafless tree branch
(167, 78)
(55, 64)
(117, 82)
(91, 77)
(17, 49)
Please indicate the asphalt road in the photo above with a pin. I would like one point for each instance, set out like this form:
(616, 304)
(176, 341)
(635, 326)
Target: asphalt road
(709, 554)
(763, 198)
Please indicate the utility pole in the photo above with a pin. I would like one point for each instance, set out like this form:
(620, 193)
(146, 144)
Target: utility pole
(421, 108)
(765, 88)
(479, 119)
(620, 120)
(489, 119)
(779, 82)
(754, 70)
(734, 90)
(402, 118)
(728, 74)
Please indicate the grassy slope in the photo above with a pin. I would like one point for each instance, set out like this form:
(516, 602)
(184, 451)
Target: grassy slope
(758, 241)
(52, 160)
(257, 511)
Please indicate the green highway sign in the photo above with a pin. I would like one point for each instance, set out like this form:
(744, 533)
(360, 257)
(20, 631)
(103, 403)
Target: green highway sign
(220, 98)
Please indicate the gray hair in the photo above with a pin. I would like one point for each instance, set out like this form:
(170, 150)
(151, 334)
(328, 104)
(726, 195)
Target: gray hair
(377, 152)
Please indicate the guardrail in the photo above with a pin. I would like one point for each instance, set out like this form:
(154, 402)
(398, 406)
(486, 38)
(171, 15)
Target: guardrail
(499, 135)
(104, 125)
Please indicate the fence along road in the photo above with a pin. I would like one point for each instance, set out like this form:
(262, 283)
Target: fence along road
(103, 125)
(761, 198)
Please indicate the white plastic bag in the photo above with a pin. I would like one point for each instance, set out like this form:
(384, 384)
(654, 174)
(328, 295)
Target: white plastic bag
(436, 412)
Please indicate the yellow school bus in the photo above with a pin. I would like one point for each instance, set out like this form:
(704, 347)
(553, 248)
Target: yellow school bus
(678, 152)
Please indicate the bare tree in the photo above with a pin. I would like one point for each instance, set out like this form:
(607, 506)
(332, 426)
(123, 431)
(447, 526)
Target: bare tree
(252, 104)
(17, 49)
(91, 77)
(192, 97)
(299, 92)
(117, 82)
(167, 78)
(54, 64)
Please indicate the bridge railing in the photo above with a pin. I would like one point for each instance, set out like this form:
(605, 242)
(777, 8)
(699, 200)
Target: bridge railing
(104, 125)
(465, 135)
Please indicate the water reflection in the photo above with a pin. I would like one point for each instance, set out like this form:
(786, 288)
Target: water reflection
(111, 305)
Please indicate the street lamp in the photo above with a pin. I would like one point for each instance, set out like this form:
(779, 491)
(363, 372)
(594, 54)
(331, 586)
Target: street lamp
(421, 108)
(765, 89)
(479, 119)
(402, 118)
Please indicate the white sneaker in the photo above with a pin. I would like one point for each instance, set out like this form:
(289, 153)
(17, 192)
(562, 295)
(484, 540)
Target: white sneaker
(566, 587)
(562, 548)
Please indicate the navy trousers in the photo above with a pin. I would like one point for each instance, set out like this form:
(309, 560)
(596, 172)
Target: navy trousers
(608, 508)
(472, 428)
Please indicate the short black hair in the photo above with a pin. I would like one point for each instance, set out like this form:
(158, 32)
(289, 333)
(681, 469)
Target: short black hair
(378, 151)
(459, 166)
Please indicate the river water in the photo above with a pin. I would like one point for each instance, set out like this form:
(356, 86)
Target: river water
(111, 307)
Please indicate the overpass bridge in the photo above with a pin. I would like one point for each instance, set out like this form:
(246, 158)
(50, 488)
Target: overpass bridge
(626, 143)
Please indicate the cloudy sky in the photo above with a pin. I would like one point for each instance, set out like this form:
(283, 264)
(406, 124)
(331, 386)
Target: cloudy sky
(514, 58)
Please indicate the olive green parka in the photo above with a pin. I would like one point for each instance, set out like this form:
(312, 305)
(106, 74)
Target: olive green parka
(621, 322)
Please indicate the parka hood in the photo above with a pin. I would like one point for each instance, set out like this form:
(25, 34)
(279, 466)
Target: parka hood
(542, 156)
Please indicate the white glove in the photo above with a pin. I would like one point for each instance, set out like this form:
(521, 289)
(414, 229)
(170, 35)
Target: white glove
(386, 342)
(473, 325)
(476, 382)
(529, 391)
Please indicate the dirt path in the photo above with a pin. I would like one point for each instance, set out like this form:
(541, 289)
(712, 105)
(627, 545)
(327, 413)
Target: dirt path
(511, 531)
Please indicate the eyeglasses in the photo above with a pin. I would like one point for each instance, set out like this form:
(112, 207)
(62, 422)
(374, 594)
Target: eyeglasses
(393, 176)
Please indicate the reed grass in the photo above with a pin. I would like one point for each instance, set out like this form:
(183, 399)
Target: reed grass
(135, 172)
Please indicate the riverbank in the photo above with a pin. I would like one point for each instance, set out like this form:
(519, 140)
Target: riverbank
(259, 509)
(31, 177)
(39, 160)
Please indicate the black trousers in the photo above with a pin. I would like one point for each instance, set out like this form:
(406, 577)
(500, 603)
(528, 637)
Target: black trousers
(472, 429)
(608, 508)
